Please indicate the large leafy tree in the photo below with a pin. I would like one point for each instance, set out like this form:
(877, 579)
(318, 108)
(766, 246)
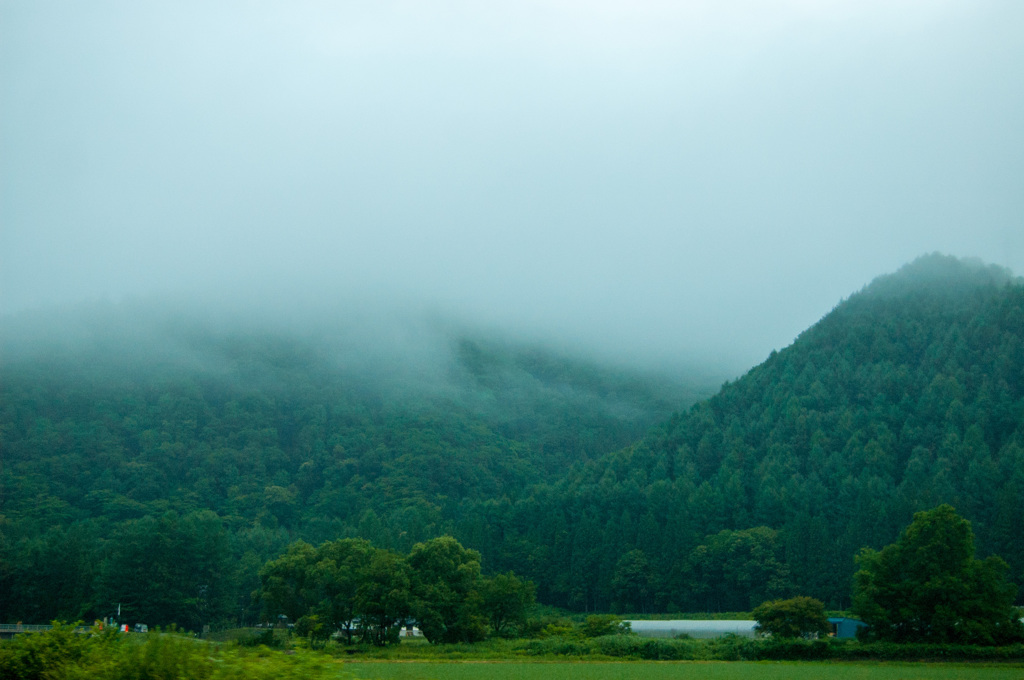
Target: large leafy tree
(383, 599)
(928, 586)
(335, 577)
(286, 583)
(796, 617)
(327, 588)
(325, 584)
(735, 570)
(446, 580)
(506, 599)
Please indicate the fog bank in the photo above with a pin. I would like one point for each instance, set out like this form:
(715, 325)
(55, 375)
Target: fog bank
(654, 182)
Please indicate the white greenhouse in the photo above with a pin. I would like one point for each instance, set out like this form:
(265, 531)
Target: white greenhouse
(695, 629)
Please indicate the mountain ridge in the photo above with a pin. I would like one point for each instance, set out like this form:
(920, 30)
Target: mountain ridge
(907, 394)
(888, 405)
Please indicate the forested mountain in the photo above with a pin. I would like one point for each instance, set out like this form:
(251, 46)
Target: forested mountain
(158, 459)
(907, 395)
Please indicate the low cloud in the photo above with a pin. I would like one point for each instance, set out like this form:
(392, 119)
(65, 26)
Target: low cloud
(659, 183)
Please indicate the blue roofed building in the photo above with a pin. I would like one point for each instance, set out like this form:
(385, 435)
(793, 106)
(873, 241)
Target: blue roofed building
(843, 627)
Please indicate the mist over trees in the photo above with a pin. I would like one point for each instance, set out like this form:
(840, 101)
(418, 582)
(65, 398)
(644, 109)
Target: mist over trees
(907, 395)
(132, 437)
(165, 480)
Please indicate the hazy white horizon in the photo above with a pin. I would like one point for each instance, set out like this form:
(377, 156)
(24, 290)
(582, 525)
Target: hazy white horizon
(649, 179)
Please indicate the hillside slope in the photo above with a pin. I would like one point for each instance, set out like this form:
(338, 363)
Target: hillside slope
(158, 460)
(908, 394)
(226, 442)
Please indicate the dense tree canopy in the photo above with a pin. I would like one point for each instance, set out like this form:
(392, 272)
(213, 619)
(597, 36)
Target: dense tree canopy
(446, 591)
(227, 446)
(928, 586)
(907, 395)
(796, 617)
(112, 452)
(348, 583)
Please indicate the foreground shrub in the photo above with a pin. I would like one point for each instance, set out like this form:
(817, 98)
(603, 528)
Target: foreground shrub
(652, 649)
(790, 649)
(599, 625)
(555, 646)
(891, 651)
(736, 648)
(63, 654)
(35, 655)
(264, 638)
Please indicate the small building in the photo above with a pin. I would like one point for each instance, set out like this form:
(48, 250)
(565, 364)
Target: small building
(843, 627)
(693, 628)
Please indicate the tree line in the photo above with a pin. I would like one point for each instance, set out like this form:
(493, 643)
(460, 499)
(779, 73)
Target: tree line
(926, 588)
(908, 395)
(350, 586)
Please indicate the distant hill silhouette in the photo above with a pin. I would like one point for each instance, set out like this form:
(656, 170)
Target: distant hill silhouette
(907, 395)
(158, 458)
(228, 439)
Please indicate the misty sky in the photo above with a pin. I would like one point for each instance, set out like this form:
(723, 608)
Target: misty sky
(650, 179)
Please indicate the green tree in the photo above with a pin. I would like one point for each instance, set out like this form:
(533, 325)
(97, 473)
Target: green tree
(285, 583)
(446, 599)
(597, 625)
(384, 600)
(312, 628)
(928, 586)
(327, 588)
(796, 617)
(505, 600)
(338, 571)
(734, 570)
(167, 570)
(631, 583)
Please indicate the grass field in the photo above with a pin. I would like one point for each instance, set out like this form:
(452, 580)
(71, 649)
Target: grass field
(684, 670)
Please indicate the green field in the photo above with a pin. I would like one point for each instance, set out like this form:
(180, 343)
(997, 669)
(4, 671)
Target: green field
(734, 670)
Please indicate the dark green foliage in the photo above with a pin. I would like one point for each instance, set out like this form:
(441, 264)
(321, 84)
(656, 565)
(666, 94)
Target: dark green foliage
(600, 625)
(447, 601)
(111, 419)
(768, 649)
(64, 653)
(907, 395)
(505, 599)
(650, 649)
(322, 584)
(314, 630)
(38, 655)
(326, 589)
(384, 597)
(631, 582)
(796, 617)
(287, 586)
(439, 584)
(928, 587)
(341, 571)
(734, 570)
(265, 638)
(168, 570)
